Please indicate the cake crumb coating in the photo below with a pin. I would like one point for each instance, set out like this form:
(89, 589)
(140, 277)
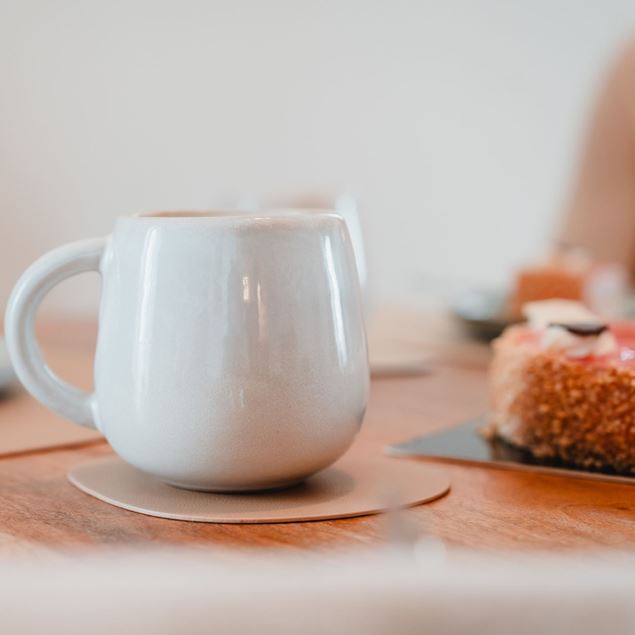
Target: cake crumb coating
(555, 407)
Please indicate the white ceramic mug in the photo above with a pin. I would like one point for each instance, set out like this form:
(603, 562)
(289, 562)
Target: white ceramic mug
(231, 352)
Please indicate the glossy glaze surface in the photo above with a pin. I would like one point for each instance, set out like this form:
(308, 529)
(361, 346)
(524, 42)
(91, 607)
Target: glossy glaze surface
(231, 352)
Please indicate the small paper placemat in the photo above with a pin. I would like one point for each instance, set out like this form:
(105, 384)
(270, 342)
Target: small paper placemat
(396, 362)
(356, 485)
(464, 443)
(26, 425)
(7, 376)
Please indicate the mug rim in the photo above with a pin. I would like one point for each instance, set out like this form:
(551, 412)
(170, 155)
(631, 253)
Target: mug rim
(272, 215)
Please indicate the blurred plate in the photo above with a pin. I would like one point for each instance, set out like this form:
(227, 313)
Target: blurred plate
(7, 376)
(464, 443)
(482, 313)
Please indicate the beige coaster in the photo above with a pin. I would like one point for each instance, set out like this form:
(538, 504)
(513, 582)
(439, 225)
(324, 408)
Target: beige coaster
(355, 486)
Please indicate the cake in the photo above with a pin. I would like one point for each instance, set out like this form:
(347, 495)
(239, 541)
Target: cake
(562, 387)
(569, 275)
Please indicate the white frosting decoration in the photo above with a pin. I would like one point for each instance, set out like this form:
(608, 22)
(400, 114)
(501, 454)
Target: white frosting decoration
(541, 315)
(557, 338)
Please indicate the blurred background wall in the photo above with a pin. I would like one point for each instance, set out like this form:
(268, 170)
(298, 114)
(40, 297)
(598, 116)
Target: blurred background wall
(455, 124)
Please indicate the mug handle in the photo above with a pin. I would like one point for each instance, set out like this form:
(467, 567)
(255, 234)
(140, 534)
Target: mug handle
(25, 355)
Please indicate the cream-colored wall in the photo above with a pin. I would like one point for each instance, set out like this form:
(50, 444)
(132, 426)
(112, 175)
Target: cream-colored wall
(456, 124)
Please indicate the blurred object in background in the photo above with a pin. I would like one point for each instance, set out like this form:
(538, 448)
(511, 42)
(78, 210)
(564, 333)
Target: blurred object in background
(422, 589)
(593, 260)
(346, 207)
(601, 216)
(571, 275)
(482, 313)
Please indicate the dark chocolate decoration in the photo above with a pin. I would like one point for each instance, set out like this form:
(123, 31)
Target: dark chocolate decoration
(583, 329)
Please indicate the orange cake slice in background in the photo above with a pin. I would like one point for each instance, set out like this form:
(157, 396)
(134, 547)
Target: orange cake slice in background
(562, 386)
(570, 275)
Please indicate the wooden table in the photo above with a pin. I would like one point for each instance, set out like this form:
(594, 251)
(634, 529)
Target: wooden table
(487, 508)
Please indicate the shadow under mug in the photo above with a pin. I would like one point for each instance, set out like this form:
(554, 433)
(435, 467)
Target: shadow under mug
(231, 352)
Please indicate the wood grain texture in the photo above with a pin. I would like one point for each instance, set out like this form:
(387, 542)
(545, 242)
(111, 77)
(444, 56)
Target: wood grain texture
(487, 508)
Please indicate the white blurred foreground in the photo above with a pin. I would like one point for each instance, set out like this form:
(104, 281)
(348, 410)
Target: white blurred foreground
(358, 592)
